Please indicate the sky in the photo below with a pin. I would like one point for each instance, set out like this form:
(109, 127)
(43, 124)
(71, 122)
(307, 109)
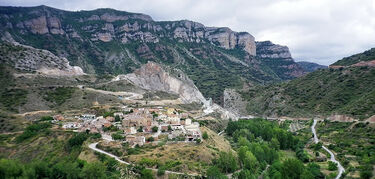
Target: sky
(321, 31)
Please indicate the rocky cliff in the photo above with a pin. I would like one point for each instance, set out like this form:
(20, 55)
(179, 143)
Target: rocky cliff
(267, 49)
(154, 77)
(279, 59)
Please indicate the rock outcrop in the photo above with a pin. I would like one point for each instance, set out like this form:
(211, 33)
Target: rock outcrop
(29, 59)
(233, 102)
(154, 77)
(267, 49)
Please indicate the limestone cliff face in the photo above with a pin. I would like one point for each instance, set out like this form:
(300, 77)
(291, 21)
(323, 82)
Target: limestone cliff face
(278, 57)
(153, 76)
(127, 27)
(267, 49)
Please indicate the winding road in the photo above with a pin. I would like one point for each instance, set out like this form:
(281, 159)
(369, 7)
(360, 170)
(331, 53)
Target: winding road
(333, 159)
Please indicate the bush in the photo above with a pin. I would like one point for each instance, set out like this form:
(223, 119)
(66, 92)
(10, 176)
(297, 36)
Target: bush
(46, 118)
(117, 136)
(77, 140)
(161, 172)
(332, 166)
(150, 139)
(205, 136)
(32, 130)
(155, 129)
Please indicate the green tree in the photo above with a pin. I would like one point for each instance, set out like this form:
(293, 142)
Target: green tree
(332, 166)
(214, 173)
(227, 162)
(155, 129)
(205, 135)
(292, 168)
(93, 170)
(65, 169)
(146, 174)
(275, 143)
(246, 174)
(250, 162)
(242, 141)
(117, 118)
(10, 169)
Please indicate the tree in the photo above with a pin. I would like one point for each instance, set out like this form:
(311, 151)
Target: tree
(140, 129)
(318, 146)
(150, 139)
(93, 170)
(332, 166)
(214, 173)
(10, 169)
(155, 129)
(205, 135)
(242, 153)
(227, 162)
(161, 171)
(198, 141)
(146, 174)
(250, 162)
(169, 128)
(242, 141)
(246, 174)
(117, 118)
(275, 143)
(292, 168)
(65, 170)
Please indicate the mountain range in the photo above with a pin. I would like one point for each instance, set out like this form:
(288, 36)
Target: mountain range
(111, 42)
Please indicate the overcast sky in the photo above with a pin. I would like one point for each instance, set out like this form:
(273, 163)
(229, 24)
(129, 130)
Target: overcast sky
(321, 31)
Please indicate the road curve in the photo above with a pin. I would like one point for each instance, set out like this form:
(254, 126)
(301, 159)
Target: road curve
(333, 159)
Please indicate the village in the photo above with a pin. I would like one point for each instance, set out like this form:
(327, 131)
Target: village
(136, 126)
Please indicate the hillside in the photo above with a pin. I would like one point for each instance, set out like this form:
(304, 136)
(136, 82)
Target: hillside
(107, 41)
(366, 57)
(310, 67)
(325, 92)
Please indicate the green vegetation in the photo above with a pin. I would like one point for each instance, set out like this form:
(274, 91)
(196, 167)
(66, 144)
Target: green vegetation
(332, 166)
(117, 136)
(258, 143)
(33, 130)
(205, 135)
(353, 143)
(365, 56)
(59, 95)
(325, 92)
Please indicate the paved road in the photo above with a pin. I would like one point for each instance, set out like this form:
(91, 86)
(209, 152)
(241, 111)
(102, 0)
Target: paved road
(333, 159)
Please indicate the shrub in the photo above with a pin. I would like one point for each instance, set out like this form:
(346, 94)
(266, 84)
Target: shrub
(161, 172)
(77, 140)
(205, 135)
(332, 166)
(32, 130)
(117, 136)
(155, 129)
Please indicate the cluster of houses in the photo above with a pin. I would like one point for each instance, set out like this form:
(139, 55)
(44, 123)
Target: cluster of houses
(140, 125)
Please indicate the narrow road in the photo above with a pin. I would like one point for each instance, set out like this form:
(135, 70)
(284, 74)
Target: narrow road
(316, 140)
(93, 147)
(220, 133)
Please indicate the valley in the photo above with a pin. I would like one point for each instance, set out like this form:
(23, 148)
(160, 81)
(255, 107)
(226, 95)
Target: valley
(113, 94)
